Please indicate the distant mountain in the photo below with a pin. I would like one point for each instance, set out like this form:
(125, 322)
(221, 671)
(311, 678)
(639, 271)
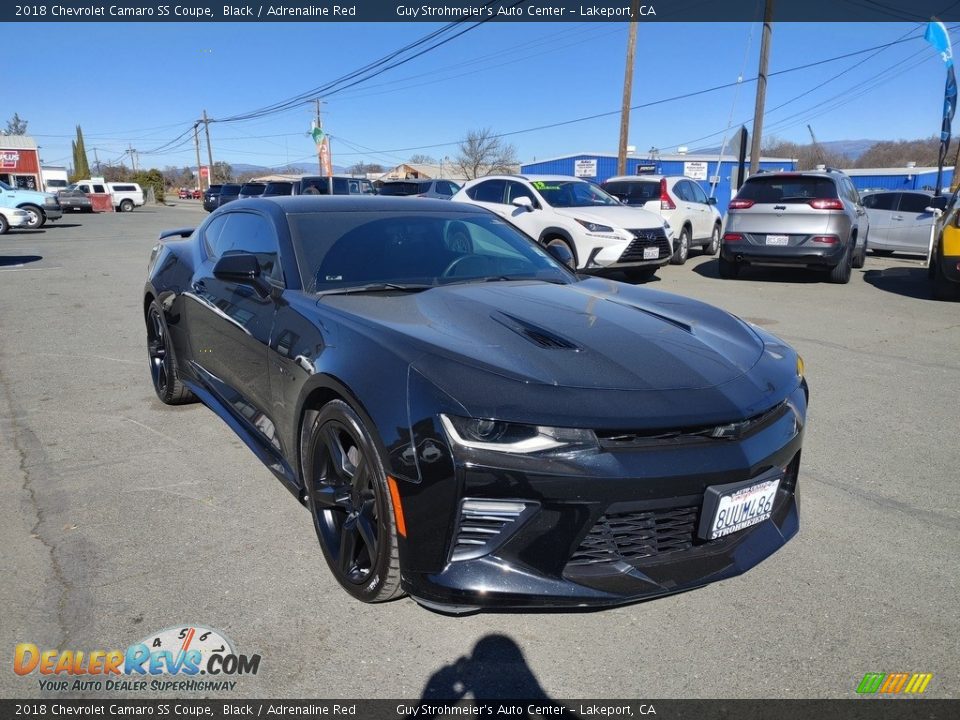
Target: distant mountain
(853, 149)
(305, 168)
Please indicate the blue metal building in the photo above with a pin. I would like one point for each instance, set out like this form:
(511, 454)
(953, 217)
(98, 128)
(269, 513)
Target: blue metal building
(704, 168)
(901, 178)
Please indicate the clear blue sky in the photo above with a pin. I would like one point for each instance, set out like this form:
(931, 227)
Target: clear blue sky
(144, 84)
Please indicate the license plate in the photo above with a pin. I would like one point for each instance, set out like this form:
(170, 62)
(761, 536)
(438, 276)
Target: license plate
(651, 253)
(731, 508)
(778, 239)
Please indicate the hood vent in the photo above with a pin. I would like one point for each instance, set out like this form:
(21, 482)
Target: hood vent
(534, 333)
(659, 316)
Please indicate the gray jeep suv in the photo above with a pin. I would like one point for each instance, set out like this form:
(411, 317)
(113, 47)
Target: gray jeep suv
(796, 219)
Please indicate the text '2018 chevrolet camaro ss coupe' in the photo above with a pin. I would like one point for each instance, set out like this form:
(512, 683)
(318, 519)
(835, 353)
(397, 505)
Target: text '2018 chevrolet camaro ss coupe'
(470, 422)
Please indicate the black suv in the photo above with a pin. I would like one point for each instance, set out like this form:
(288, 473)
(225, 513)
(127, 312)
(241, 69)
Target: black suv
(219, 198)
(334, 185)
(210, 197)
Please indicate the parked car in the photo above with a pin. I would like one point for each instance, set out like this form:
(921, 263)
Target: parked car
(40, 206)
(944, 266)
(197, 194)
(438, 188)
(185, 194)
(125, 195)
(13, 218)
(609, 442)
(334, 185)
(680, 201)
(74, 199)
(251, 189)
(210, 197)
(596, 230)
(278, 188)
(901, 221)
(228, 192)
(808, 219)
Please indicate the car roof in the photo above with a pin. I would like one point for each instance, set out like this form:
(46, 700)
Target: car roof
(292, 204)
(874, 191)
(532, 178)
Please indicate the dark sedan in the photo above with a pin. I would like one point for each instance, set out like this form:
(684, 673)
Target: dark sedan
(467, 420)
(72, 198)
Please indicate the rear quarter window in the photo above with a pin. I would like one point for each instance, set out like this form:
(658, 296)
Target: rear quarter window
(787, 189)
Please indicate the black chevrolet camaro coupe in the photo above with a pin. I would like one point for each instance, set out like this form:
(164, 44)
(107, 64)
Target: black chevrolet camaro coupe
(470, 422)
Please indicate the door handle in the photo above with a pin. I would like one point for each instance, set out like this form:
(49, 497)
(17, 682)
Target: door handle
(199, 286)
(898, 217)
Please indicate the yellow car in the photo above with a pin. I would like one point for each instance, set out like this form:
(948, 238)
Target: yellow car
(944, 267)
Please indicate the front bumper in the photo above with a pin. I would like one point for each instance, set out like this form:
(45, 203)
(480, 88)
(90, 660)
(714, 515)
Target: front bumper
(52, 213)
(614, 529)
(950, 265)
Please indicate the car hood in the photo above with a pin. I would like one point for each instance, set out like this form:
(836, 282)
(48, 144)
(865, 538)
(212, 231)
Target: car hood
(593, 334)
(622, 216)
(32, 195)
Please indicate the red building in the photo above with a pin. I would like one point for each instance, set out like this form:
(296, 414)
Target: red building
(20, 162)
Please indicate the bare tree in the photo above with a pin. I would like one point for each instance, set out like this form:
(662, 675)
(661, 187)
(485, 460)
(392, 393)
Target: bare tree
(483, 153)
(421, 159)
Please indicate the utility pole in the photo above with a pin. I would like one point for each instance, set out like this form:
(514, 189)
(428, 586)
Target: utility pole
(196, 145)
(133, 156)
(761, 87)
(96, 161)
(627, 88)
(319, 124)
(206, 129)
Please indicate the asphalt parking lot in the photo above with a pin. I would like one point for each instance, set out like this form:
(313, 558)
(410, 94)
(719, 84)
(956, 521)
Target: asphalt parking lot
(122, 516)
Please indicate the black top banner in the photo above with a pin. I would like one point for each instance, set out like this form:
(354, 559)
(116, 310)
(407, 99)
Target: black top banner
(478, 11)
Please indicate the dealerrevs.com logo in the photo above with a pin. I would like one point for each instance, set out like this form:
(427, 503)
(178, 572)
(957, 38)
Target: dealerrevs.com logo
(200, 658)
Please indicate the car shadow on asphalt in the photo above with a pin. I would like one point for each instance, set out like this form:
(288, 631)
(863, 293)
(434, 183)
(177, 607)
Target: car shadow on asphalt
(911, 282)
(711, 269)
(17, 260)
(495, 670)
(60, 226)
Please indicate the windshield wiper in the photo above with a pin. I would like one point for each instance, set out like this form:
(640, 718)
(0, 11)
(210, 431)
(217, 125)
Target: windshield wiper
(376, 287)
(504, 278)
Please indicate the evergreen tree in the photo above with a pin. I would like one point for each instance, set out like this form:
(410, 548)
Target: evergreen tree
(81, 168)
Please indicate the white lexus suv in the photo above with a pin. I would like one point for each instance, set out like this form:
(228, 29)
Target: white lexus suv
(597, 230)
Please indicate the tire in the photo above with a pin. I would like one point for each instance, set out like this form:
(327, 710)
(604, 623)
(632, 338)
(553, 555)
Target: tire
(350, 504)
(860, 258)
(840, 273)
(642, 274)
(682, 251)
(728, 270)
(942, 288)
(126, 205)
(882, 253)
(714, 245)
(568, 246)
(4, 225)
(37, 218)
(163, 363)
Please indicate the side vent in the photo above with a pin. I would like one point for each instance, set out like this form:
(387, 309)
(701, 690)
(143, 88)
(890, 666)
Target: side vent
(485, 524)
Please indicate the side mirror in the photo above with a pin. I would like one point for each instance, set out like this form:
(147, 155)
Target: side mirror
(711, 201)
(561, 253)
(244, 269)
(523, 202)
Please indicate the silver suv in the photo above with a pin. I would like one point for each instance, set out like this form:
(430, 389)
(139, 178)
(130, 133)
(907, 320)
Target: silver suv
(796, 219)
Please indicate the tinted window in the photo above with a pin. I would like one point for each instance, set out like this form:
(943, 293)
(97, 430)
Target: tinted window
(682, 190)
(211, 235)
(340, 186)
(490, 191)
(400, 188)
(879, 201)
(125, 188)
(344, 249)
(698, 194)
(445, 187)
(314, 186)
(633, 192)
(516, 190)
(84, 188)
(253, 188)
(278, 188)
(229, 190)
(252, 234)
(787, 189)
(573, 193)
(914, 203)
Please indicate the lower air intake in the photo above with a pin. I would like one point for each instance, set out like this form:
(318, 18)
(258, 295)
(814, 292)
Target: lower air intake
(483, 525)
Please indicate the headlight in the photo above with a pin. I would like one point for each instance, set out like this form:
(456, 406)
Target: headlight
(486, 434)
(594, 227)
(21, 213)
(50, 201)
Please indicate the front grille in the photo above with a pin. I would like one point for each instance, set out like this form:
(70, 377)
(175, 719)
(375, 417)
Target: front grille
(634, 536)
(655, 237)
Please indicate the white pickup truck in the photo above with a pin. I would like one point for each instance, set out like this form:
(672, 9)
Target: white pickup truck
(126, 195)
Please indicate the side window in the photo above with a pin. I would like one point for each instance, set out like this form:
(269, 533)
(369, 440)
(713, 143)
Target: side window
(253, 234)
(84, 188)
(490, 191)
(340, 186)
(682, 191)
(698, 194)
(452, 188)
(880, 201)
(515, 190)
(914, 203)
(99, 189)
(211, 236)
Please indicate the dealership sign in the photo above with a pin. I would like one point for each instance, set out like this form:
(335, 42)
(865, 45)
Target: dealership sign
(585, 168)
(695, 169)
(9, 159)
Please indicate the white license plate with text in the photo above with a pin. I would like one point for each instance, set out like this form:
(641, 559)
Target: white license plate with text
(778, 239)
(651, 253)
(742, 508)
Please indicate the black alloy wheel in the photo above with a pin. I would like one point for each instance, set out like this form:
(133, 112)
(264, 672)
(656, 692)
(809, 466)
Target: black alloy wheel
(350, 503)
(860, 258)
(840, 273)
(163, 368)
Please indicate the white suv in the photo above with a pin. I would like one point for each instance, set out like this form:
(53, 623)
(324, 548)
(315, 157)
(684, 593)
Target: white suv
(680, 201)
(597, 230)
